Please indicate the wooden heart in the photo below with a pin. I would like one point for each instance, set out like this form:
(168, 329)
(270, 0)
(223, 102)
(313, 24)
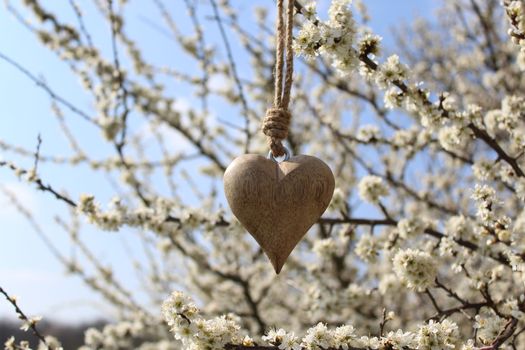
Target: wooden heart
(278, 202)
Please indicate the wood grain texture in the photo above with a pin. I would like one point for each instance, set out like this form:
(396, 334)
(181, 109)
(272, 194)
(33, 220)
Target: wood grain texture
(277, 203)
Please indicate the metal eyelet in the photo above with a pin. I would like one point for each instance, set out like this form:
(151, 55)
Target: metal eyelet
(286, 156)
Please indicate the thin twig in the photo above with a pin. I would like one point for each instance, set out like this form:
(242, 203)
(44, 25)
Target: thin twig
(120, 81)
(21, 315)
(47, 89)
(37, 154)
(235, 74)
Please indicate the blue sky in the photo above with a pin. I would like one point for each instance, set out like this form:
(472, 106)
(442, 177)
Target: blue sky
(27, 268)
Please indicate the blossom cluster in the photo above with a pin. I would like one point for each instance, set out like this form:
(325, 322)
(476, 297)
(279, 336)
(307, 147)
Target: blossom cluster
(156, 217)
(515, 10)
(415, 268)
(372, 188)
(51, 344)
(195, 332)
(185, 322)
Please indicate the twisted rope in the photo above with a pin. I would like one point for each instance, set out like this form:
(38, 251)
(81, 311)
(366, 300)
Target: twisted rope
(277, 120)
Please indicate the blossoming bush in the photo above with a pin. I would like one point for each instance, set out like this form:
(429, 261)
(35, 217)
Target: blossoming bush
(423, 245)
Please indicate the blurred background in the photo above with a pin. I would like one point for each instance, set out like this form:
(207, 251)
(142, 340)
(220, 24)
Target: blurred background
(28, 269)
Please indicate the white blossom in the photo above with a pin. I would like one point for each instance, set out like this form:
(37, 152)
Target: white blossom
(485, 198)
(368, 133)
(367, 248)
(392, 70)
(411, 227)
(317, 338)
(325, 247)
(437, 335)
(282, 339)
(489, 327)
(415, 268)
(371, 188)
(459, 227)
(453, 138)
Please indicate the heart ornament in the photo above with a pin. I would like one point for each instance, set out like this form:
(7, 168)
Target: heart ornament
(277, 203)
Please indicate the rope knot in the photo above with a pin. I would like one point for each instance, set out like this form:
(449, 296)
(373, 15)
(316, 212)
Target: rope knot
(275, 126)
(277, 120)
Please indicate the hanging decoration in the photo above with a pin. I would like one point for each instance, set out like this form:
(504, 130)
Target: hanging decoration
(278, 201)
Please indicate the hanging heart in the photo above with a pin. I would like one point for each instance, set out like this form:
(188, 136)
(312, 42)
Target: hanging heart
(278, 202)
